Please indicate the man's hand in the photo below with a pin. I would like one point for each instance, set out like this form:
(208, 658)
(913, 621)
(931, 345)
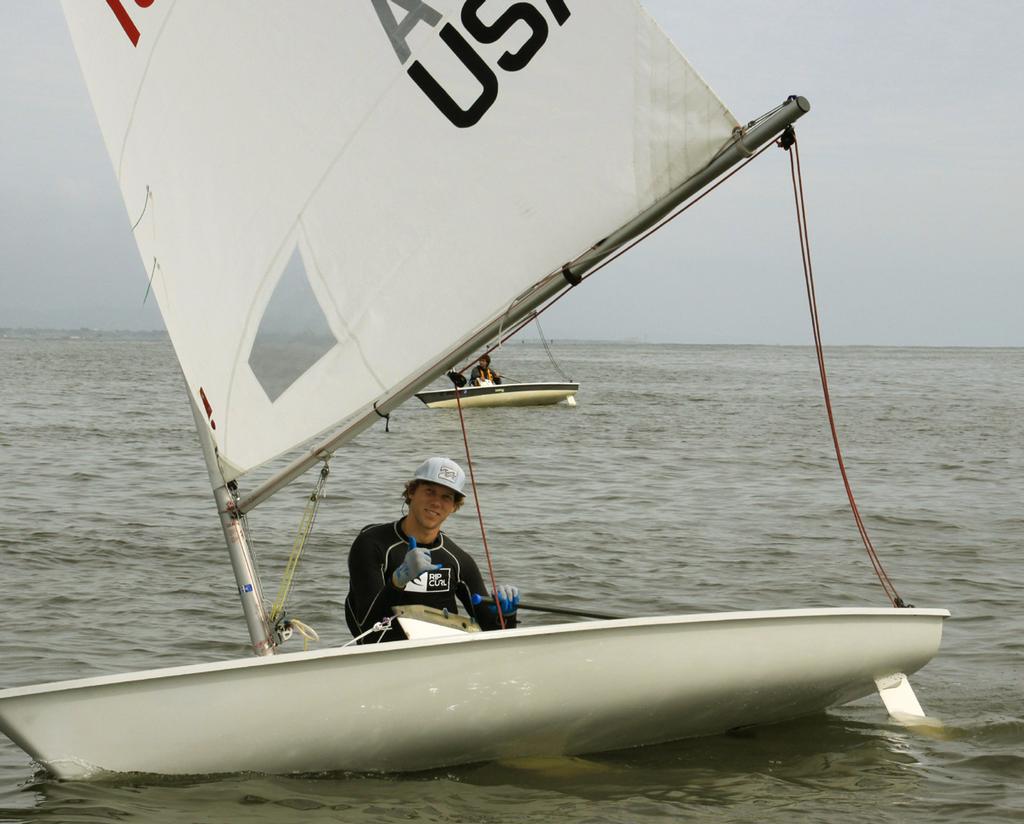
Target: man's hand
(416, 562)
(508, 596)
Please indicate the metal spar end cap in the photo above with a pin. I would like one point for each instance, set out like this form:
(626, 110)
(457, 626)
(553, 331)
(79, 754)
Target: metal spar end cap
(442, 471)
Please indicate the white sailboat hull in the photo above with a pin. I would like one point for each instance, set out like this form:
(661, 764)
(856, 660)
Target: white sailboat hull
(411, 705)
(504, 394)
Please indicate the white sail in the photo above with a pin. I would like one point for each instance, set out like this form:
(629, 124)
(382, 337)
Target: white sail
(334, 193)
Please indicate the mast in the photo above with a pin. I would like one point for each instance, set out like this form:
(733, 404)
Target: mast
(249, 590)
(746, 143)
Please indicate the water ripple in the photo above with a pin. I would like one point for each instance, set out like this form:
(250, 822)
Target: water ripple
(687, 479)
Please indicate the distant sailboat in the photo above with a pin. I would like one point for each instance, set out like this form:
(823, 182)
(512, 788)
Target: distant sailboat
(544, 393)
(488, 388)
(313, 187)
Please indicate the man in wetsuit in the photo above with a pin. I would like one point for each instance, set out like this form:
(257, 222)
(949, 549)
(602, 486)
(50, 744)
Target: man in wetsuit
(482, 372)
(410, 561)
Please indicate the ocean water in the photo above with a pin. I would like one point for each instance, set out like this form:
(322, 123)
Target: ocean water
(688, 478)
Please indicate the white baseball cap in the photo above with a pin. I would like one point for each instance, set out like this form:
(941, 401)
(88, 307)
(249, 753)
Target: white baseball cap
(442, 471)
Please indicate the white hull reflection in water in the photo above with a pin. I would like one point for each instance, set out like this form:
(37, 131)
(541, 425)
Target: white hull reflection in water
(555, 690)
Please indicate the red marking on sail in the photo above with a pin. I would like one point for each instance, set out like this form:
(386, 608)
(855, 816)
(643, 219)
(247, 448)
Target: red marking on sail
(125, 21)
(207, 407)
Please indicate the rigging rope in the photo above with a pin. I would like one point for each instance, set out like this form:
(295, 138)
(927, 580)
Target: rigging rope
(479, 512)
(305, 630)
(305, 527)
(547, 349)
(786, 141)
(789, 143)
(381, 626)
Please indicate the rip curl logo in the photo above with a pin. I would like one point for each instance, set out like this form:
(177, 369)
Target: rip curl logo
(434, 580)
(417, 12)
(121, 13)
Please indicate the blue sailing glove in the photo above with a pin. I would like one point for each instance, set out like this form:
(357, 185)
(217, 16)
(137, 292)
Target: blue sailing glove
(508, 596)
(416, 562)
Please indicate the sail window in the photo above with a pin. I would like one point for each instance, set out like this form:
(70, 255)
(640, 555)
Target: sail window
(293, 334)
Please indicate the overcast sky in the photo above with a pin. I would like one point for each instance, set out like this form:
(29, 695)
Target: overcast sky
(911, 165)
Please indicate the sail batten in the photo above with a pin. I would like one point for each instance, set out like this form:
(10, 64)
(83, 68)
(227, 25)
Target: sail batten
(394, 185)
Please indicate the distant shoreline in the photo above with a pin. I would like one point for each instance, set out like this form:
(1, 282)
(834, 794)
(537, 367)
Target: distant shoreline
(160, 335)
(83, 334)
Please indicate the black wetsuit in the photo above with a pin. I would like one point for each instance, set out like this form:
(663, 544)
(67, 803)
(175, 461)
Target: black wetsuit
(379, 550)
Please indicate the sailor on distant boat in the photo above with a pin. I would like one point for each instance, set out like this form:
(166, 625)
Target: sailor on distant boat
(410, 561)
(482, 374)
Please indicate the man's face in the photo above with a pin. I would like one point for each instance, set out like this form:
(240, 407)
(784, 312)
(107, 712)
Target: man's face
(430, 504)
